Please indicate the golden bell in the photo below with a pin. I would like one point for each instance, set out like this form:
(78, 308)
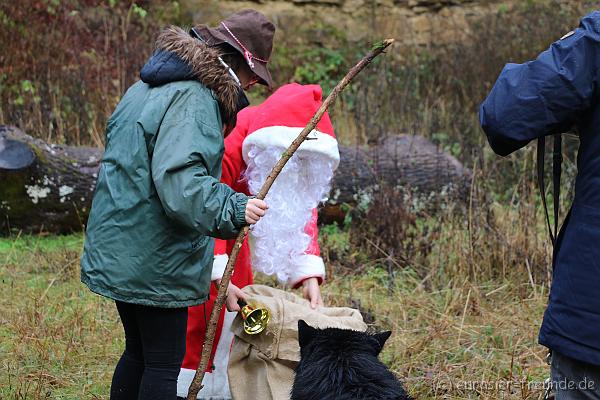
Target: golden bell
(255, 318)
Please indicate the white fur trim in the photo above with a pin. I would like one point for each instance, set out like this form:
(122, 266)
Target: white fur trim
(306, 266)
(219, 264)
(215, 384)
(283, 136)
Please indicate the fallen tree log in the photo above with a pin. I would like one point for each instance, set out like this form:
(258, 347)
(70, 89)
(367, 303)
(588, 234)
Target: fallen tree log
(49, 188)
(427, 175)
(44, 187)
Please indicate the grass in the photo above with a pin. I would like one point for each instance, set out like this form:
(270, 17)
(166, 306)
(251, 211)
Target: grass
(465, 314)
(57, 340)
(455, 335)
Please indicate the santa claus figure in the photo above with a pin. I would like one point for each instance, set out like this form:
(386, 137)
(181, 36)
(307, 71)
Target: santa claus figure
(284, 242)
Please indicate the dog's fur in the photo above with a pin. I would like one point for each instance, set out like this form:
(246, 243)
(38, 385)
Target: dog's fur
(340, 364)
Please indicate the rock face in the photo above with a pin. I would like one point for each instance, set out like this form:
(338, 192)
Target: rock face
(410, 22)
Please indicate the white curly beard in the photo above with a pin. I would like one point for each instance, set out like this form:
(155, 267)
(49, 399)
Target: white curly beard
(279, 237)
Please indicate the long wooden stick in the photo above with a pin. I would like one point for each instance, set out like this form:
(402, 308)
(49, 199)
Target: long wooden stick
(196, 384)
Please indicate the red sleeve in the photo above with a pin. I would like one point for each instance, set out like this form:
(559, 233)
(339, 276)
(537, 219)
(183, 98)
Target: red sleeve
(233, 163)
(313, 231)
(220, 247)
(233, 166)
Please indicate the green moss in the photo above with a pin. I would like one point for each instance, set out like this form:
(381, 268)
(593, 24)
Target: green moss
(14, 193)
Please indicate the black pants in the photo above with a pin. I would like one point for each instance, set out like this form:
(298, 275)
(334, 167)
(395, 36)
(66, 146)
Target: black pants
(154, 350)
(573, 379)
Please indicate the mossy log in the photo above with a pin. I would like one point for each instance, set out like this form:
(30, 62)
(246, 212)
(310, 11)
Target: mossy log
(49, 188)
(424, 173)
(44, 187)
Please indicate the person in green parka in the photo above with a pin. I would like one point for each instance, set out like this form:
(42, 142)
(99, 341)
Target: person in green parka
(158, 202)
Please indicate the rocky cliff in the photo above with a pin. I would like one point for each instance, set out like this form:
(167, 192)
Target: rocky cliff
(410, 22)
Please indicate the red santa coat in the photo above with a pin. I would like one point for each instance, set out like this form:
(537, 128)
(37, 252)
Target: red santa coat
(270, 133)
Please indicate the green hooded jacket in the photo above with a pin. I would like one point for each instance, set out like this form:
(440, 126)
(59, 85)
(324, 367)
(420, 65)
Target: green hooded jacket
(158, 198)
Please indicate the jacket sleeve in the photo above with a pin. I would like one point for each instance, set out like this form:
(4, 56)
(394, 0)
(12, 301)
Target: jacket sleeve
(544, 96)
(233, 161)
(188, 146)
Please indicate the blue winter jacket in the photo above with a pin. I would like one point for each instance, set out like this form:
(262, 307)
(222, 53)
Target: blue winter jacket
(549, 95)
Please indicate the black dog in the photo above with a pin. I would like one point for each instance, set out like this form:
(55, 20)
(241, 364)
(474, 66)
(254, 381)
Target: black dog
(341, 364)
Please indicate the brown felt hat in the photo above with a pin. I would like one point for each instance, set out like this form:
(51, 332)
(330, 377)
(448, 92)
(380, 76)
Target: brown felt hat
(250, 33)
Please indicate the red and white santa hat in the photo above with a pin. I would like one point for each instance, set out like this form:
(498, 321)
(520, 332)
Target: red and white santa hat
(271, 127)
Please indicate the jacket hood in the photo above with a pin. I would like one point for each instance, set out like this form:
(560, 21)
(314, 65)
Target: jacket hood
(179, 56)
(164, 67)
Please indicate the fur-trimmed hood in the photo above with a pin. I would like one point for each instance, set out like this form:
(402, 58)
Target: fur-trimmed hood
(179, 56)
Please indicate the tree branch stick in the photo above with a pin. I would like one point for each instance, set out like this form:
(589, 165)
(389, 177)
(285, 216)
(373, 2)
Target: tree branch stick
(196, 384)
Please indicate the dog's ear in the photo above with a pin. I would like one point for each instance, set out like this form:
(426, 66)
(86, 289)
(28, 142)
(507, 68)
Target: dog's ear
(381, 338)
(306, 333)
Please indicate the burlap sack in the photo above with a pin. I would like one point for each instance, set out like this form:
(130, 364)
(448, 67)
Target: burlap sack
(261, 367)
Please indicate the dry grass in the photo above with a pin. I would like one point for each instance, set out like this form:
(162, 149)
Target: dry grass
(466, 307)
(57, 340)
(466, 312)
(461, 333)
